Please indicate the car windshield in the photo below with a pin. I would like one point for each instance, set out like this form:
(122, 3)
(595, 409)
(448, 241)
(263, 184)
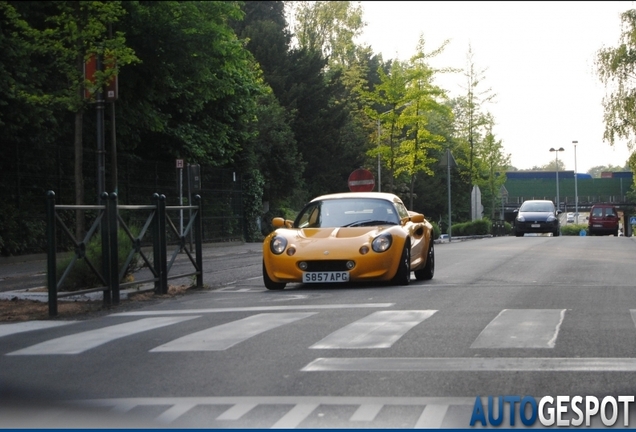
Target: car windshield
(348, 212)
(537, 207)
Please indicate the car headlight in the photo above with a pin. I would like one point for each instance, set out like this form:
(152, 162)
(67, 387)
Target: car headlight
(278, 245)
(521, 219)
(551, 218)
(382, 243)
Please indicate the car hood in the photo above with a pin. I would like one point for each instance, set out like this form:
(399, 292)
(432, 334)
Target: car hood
(538, 216)
(337, 232)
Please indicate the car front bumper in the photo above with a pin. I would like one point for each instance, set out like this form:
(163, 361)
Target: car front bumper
(536, 227)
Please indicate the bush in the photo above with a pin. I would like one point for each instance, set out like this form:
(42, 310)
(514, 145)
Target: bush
(81, 276)
(573, 229)
(436, 230)
(478, 227)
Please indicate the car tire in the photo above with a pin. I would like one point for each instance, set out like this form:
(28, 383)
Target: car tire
(616, 232)
(403, 274)
(518, 234)
(429, 269)
(556, 233)
(270, 284)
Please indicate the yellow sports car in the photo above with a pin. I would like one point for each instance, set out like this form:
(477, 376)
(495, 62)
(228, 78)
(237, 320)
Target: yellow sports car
(349, 237)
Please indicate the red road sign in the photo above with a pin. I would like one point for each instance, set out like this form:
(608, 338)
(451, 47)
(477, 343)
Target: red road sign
(361, 180)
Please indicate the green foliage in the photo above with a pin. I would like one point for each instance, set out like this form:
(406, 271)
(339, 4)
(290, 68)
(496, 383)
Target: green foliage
(615, 68)
(436, 231)
(81, 276)
(573, 229)
(252, 202)
(192, 96)
(17, 231)
(477, 227)
(329, 27)
(283, 210)
(508, 227)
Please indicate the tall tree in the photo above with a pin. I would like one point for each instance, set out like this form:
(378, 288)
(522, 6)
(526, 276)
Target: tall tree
(329, 27)
(193, 95)
(390, 96)
(492, 164)
(425, 105)
(470, 115)
(616, 68)
(67, 34)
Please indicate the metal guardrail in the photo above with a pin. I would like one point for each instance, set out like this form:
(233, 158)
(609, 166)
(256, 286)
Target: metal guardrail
(109, 221)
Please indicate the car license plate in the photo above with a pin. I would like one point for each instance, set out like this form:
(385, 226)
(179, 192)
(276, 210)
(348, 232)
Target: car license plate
(536, 225)
(597, 225)
(325, 277)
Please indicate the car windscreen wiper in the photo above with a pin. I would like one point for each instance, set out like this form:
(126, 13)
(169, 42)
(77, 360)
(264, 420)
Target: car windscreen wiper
(367, 222)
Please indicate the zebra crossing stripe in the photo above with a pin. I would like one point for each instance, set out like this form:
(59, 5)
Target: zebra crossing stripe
(432, 417)
(237, 411)
(522, 328)
(366, 412)
(434, 409)
(254, 309)
(80, 342)
(20, 327)
(379, 330)
(174, 412)
(224, 336)
(472, 364)
(295, 416)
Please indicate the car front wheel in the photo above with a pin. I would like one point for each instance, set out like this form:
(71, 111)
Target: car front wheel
(270, 284)
(429, 269)
(403, 274)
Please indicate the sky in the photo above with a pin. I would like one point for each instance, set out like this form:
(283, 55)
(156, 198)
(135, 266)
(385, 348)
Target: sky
(537, 58)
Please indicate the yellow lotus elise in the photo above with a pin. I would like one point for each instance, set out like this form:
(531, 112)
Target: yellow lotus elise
(349, 237)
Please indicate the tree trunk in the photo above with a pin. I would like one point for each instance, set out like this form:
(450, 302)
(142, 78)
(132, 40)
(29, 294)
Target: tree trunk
(80, 227)
(79, 178)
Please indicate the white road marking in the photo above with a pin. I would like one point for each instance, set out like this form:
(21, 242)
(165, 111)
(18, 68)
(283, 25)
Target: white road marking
(633, 313)
(472, 364)
(378, 330)
(237, 411)
(522, 328)
(174, 412)
(20, 327)
(224, 336)
(253, 309)
(295, 416)
(369, 407)
(366, 412)
(80, 342)
(432, 417)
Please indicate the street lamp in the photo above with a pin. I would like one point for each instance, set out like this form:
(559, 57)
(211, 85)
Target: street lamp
(379, 146)
(576, 190)
(556, 159)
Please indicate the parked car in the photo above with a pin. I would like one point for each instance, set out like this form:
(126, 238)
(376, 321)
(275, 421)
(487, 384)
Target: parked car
(349, 237)
(570, 218)
(537, 216)
(603, 220)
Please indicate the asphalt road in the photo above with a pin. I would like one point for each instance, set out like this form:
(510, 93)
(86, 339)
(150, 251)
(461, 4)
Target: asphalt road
(503, 316)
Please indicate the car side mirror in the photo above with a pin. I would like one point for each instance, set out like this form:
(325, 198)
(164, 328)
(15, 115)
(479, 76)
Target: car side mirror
(279, 222)
(417, 218)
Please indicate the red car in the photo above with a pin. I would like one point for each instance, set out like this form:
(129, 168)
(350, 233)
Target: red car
(603, 220)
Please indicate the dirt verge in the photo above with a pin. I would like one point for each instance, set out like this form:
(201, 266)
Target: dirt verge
(18, 310)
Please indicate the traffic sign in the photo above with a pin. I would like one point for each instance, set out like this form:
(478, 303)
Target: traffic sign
(632, 220)
(179, 163)
(361, 180)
